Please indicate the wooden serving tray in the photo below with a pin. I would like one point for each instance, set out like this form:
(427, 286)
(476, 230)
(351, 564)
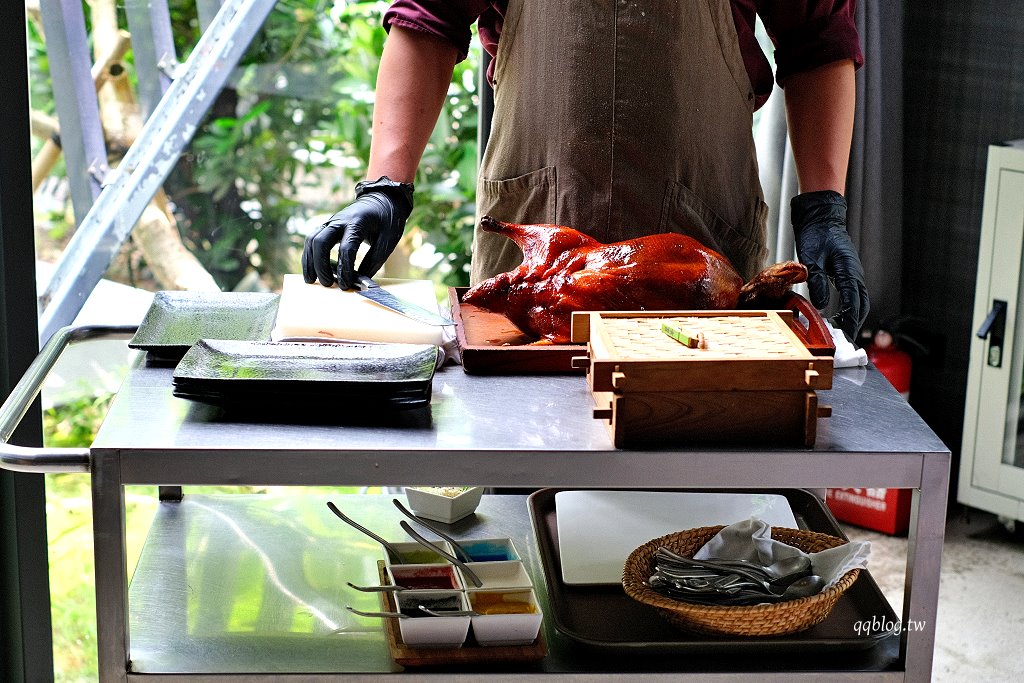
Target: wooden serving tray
(491, 345)
(469, 654)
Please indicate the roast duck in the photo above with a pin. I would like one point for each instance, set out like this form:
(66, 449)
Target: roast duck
(564, 270)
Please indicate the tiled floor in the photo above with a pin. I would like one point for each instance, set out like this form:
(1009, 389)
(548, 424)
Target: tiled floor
(980, 622)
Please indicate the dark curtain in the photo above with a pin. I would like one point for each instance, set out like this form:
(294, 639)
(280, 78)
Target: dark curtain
(964, 86)
(873, 186)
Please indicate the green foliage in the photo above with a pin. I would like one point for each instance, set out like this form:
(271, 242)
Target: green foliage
(72, 596)
(284, 144)
(40, 90)
(69, 536)
(74, 424)
(294, 139)
(446, 181)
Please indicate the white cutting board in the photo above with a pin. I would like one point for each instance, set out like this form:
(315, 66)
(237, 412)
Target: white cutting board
(597, 530)
(317, 311)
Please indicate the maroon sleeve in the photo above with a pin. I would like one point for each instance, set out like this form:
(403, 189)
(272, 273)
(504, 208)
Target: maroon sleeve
(447, 19)
(810, 33)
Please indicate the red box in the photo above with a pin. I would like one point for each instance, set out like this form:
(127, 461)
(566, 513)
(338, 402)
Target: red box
(885, 510)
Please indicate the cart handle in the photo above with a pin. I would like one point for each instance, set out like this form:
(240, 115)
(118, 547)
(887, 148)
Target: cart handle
(47, 460)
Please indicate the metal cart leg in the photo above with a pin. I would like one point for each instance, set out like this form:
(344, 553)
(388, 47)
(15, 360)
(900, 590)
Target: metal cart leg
(924, 558)
(111, 568)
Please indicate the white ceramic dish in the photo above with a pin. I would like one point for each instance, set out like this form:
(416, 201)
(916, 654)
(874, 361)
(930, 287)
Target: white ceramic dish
(429, 631)
(412, 553)
(425, 576)
(429, 503)
(490, 549)
(513, 628)
(509, 574)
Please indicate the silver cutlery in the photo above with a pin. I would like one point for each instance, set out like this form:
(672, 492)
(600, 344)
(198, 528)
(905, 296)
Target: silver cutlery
(448, 556)
(393, 554)
(383, 615)
(459, 550)
(377, 589)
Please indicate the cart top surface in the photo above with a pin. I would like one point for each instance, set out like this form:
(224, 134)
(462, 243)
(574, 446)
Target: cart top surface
(470, 413)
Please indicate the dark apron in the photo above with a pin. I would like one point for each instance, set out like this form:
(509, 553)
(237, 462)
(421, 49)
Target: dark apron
(622, 119)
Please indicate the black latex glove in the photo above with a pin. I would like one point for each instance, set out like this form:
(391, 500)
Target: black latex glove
(824, 246)
(377, 217)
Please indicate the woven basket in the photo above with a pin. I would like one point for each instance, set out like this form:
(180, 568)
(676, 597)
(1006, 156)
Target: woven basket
(755, 620)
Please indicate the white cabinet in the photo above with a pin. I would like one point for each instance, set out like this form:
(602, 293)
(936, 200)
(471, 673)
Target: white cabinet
(992, 456)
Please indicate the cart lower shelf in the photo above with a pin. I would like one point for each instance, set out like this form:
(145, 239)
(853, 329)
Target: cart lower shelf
(256, 584)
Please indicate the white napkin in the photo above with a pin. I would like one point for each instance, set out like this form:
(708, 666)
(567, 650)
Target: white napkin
(450, 350)
(847, 355)
(751, 540)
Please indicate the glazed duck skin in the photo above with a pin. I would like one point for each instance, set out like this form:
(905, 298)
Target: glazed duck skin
(564, 271)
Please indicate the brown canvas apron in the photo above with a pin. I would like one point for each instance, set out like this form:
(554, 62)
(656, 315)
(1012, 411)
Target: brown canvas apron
(622, 118)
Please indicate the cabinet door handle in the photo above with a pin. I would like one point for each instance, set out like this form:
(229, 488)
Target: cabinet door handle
(996, 319)
(994, 329)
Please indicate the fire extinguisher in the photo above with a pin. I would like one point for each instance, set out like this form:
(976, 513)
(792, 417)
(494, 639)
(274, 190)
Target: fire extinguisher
(894, 363)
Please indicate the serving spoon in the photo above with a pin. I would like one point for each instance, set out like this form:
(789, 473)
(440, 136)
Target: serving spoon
(803, 587)
(722, 583)
(392, 552)
(383, 615)
(669, 562)
(780, 573)
(795, 566)
(443, 553)
(724, 593)
(377, 589)
(450, 613)
(459, 550)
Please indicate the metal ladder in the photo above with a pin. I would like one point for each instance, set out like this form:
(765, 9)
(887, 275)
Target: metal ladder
(173, 98)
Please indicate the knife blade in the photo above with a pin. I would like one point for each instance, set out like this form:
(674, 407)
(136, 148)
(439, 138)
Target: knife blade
(374, 292)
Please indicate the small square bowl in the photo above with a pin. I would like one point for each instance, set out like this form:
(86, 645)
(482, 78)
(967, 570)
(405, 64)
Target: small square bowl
(425, 576)
(490, 549)
(507, 617)
(508, 574)
(424, 630)
(430, 502)
(414, 553)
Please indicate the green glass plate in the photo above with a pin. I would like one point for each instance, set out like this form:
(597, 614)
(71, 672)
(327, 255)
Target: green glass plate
(177, 320)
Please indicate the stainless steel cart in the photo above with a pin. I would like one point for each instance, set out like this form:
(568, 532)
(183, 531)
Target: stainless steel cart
(533, 431)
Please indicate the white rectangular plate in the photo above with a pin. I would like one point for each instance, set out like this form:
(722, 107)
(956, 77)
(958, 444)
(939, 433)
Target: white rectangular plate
(597, 530)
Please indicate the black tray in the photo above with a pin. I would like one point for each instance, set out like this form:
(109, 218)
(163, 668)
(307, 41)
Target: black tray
(297, 375)
(302, 403)
(223, 365)
(605, 617)
(177, 320)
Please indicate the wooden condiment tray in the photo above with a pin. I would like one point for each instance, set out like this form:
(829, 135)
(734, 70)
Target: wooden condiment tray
(469, 654)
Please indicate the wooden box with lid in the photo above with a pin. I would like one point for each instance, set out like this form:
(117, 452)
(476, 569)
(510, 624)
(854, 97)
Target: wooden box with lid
(751, 380)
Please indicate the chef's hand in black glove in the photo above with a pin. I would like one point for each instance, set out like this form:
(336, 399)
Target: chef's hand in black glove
(377, 217)
(824, 246)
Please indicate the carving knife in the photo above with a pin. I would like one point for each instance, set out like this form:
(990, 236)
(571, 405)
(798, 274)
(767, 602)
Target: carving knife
(374, 292)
